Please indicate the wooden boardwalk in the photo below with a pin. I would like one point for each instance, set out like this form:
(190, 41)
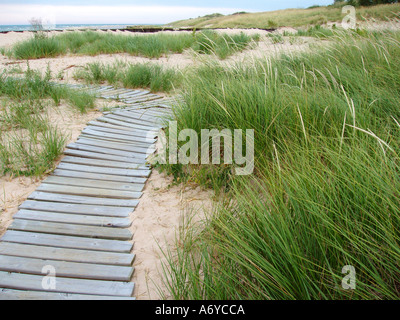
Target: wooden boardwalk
(76, 223)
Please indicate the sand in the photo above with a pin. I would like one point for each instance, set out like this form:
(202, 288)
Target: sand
(15, 190)
(159, 215)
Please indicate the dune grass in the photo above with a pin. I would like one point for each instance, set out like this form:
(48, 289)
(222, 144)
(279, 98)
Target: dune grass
(30, 143)
(141, 75)
(324, 193)
(223, 46)
(291, 17)
(95, 43)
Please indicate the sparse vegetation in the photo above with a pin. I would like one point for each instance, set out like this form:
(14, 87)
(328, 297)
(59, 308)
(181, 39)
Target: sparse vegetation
(30, 143)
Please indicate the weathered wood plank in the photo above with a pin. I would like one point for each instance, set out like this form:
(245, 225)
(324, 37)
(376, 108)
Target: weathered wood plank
(70, 230)
(89, 192)
(66, 285)
(139, 115)
(149, 136)
(109, 139)
(73, 218)
(97, 176)
(94, 184)
(53, 197)
(119, 137)
(66, 269)
(126, 124)
(143, 123)
(10, 294)
(52, 240)
(111, 171)
(71, 208)
(104, 163)
(101, 156)
(64, 254)
(127, 147)
(144, 99)
(115, 152)
(91, 148)
(113, 126)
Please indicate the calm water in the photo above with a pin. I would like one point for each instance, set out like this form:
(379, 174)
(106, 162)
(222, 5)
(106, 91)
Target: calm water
(63, 27)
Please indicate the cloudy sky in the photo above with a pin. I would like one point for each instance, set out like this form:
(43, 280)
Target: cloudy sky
(132, 11)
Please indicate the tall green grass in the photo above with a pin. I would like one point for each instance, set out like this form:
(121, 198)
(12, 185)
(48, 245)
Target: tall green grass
(140, 75)
(324, 191)
(94, 43)
(210, 42)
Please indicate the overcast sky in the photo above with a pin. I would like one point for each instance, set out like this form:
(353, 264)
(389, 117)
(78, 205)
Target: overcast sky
(131, 11)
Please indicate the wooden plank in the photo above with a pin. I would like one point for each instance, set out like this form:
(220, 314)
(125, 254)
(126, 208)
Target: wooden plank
(138, 94)
(64, 254)
(144, 99)
(66, 269)
(120, 137)
(104, 163)
(94, 183)
(52, 197)
(102, 147)
(89, 192)
(128, 147)
(115, 152)
(140, 115)
(70, 230)
(97, 176)
(126, 124)
(52, 240)
(73, 218)
(113, 140)
(148, 135)
(130, 93)
(137, 115)
(113, 93)
(101, 156)
(66, 285)
(113, 126)
(143, 123)
(102, 170)
(10, 294)
(71, 208)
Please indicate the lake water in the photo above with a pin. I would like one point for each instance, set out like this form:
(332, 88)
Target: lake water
(4, 28)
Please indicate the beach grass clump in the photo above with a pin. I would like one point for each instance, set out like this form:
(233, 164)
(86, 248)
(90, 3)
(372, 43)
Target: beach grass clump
(35, 86)
(29, 142)
(140, 75)
(36, 48)
(222, 45)
(29, 153)
(323, 196)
